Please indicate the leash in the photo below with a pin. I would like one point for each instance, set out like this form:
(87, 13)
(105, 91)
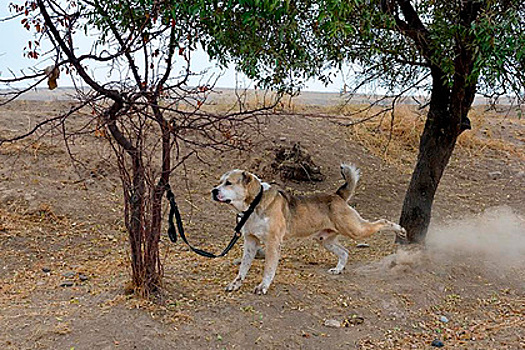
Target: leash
(174, 212)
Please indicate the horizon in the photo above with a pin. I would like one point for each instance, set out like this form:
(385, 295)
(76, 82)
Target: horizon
(307, 97)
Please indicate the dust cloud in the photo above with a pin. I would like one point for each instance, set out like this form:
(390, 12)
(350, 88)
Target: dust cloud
(493, 241)
(496, 236)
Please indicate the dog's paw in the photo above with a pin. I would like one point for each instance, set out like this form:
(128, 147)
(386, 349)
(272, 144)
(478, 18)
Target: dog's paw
(233, 286)
(335, 271)
(261, 289)
(401, 233)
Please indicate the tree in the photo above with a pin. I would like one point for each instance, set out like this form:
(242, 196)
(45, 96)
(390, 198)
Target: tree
(451, 49)
(149, 111)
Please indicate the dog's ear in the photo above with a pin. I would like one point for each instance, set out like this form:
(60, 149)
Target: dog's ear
(246, 177)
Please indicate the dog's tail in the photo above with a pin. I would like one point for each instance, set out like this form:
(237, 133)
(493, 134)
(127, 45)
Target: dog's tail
(351, 175)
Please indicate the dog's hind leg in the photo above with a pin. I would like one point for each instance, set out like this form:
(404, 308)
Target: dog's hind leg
(332, 245)
(351, 224)
(251, 246)
(368, 228)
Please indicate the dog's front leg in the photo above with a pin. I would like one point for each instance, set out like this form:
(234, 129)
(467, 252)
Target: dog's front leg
(273, 249)
(251, 245)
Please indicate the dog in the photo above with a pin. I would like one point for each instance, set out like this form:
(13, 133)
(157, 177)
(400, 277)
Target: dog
(280, 215)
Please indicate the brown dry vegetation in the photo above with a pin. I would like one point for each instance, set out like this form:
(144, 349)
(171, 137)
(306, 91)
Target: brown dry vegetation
(69, 220)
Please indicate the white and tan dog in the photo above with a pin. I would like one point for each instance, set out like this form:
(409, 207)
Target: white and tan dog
(280, 215)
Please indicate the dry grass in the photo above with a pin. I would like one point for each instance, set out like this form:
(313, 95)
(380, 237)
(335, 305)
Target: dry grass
(35, 148)
(45, 239)
(394, 135)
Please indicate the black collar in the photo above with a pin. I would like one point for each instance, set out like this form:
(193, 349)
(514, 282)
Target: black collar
(245, 215)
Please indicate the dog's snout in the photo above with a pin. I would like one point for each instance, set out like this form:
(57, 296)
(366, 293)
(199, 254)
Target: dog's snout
(215, 193)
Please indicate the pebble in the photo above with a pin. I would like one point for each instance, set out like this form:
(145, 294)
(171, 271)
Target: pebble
(332, 323)
(494, 175)
(437, 343)
(67, 284)
(363, 245)
(46, 269)
(83, 277)
(443, 319)
(69, 274)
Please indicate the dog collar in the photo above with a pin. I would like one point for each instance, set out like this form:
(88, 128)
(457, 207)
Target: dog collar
(242, 217)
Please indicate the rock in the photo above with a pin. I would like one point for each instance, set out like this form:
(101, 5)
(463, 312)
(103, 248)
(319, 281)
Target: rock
(353, 320)
(362, 245)
(46, 269)
(494, 175)
(236, 262)
(332, 323)
(520, 174)
(437, 343)
(83, 277)
(67, 284)
(69, 274)
(443, 319)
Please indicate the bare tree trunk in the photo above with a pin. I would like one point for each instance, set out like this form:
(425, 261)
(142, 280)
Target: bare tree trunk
(152, 256)
(137, 227)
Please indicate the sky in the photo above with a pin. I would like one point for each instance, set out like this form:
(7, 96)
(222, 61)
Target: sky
(13, 39)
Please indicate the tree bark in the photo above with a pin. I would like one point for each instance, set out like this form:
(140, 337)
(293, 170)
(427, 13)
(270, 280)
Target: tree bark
(435, 148)
(137, 227)
(152, 255)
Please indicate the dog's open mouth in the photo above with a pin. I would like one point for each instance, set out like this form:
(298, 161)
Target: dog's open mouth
(218, 199)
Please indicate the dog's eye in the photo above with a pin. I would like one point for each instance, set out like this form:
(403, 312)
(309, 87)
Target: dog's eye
(227, 183)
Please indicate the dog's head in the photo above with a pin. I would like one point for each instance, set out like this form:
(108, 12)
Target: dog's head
(237, 188)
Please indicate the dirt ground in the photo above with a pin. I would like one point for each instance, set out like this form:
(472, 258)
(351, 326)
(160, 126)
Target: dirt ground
(64, 260)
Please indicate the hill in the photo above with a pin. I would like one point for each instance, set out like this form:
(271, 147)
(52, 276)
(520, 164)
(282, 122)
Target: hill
(64, 261)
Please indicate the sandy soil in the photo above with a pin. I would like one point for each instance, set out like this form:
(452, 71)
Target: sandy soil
(60, 222)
